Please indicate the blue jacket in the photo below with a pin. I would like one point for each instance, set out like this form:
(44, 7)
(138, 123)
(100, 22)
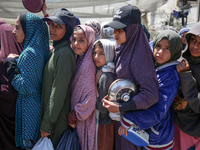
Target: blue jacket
(158, 119)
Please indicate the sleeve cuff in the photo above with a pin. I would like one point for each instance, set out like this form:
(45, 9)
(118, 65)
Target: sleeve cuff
(46, 127)
(127, 106)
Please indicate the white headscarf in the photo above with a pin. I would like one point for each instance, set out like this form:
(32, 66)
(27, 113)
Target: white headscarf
(109, 50)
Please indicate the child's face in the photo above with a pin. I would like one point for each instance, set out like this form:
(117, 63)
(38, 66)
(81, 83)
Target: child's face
(194, 46)
(183, 40)
(79, 42)
(57, 31)
(99, 56)
(120, 36)
(162, 51)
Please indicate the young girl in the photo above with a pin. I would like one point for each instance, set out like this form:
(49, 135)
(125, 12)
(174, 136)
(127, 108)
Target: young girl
(187, 113)
(32, 31)
(83, 94)
(57, 77)
(158, 119)
(134, 61)
(103, 56)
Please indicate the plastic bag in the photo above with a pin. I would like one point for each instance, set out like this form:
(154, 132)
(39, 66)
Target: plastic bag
(69, 140)
(43, 144)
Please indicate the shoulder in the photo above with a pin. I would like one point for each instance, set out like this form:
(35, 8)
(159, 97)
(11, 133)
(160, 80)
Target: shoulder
(107, 77)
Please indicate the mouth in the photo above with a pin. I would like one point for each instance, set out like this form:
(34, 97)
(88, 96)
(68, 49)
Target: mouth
(158, 58)
(52, 35)
(194, 51)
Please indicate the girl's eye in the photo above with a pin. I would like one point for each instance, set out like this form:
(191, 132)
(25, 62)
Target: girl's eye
(58, 26)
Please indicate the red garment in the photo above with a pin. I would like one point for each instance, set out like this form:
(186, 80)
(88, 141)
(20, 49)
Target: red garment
(8, 41)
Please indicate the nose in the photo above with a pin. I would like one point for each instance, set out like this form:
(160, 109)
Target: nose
(115, 32)
(197, 45)
(52, 28)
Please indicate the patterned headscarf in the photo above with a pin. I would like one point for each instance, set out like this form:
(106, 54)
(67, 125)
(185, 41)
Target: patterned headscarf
(83, 99)
(174, 44)
(2, 22)
(28, 83)
(95, 25)
(109, 50)
(8, 43)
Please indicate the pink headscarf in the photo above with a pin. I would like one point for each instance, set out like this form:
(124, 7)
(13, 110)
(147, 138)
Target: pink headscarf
(83, 98)
(8, 43)
(96, 26)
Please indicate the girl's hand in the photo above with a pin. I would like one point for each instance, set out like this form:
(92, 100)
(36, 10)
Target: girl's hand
(44, 134)
(44, 9)
(72, 125)
(110, 106)
(183, 66)
(122, 130)
(11, 55)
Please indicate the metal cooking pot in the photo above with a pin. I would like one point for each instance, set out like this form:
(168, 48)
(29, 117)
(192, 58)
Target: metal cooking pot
(122, 90)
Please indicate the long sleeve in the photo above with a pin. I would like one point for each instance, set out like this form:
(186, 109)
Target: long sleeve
(168, 89)
(104, 83)
(190, 90)
(11, 68)
(64, 71)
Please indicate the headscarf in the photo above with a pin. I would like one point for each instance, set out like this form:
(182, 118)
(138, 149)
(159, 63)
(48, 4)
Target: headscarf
(134, 61)
(106, 31)
(8, 42)
(195, 30)
(183, 30)
(146, 31)
(174, 44)
(2, 22)
(109, 50)
(28, 83)
(95, 25)
(83, 98)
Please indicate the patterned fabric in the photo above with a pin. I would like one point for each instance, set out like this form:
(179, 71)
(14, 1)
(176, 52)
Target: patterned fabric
(95, 25)
(8, 43)
(134, 61)
(83, 98)
(109, 50)
(28, 83)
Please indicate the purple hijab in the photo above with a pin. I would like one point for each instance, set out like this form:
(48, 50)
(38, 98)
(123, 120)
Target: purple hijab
(83, 98)
(8, 43)
(134, 60)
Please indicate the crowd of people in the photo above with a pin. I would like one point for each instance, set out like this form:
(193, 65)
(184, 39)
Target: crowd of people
(45, 92)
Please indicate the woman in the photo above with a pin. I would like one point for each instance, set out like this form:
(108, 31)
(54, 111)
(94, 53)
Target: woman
(8, 94)
(134, 61)
(58, 75)
(32, 31)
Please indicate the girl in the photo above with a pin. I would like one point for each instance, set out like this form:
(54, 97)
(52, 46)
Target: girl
(83, 94)
(134, 61)
(8, 94)
(103, 56)
(158, 119)
(32, 31)
(57, 77)
(187, 113)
